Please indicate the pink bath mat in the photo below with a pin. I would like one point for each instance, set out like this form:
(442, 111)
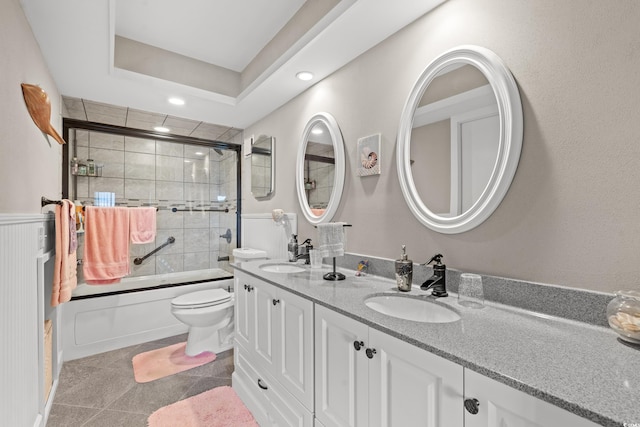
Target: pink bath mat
(166, 361)
(218, 407)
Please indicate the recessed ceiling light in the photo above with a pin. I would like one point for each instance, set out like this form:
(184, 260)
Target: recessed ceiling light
(199, 153)
(304, 75)
(161, 129)
(176, 101)
(316, 131)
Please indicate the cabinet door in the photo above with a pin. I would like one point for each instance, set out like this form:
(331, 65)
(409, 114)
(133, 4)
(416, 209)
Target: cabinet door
(294, 345)
(503, 406)
(244, 311)
(341, 371)
(263, 323)
(410, 386)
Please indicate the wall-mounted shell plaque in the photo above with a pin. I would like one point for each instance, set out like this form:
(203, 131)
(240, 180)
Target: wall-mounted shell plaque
(368, 156)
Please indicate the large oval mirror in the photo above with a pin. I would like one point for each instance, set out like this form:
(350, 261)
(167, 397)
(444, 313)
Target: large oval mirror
(320, 168)
(460, 139)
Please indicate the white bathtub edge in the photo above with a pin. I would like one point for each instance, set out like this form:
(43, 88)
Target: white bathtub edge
(108, 312)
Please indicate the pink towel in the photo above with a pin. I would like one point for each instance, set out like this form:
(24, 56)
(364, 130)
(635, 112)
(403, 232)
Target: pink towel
(64, 270)
(73, 234)
(142, 225)
(106, 245)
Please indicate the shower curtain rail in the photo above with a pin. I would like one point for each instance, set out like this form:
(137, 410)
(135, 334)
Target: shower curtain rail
(139, 260)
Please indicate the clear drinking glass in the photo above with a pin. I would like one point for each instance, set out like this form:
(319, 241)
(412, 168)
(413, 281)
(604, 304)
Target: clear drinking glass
(470, 291)
(315, 258)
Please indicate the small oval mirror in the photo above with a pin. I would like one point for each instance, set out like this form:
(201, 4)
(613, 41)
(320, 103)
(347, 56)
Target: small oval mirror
(320, 168)
(460, 139)
(262, 166)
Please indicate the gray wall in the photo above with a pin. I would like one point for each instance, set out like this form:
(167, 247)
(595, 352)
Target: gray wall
(30, 163)
(572, 214)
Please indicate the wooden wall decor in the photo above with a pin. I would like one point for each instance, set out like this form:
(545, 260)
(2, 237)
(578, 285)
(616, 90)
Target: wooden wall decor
(39, 108)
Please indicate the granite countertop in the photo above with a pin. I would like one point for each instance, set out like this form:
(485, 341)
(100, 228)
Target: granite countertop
(582, 368)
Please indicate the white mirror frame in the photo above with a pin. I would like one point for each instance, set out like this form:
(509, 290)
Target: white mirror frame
(338, 181)
(510, 145)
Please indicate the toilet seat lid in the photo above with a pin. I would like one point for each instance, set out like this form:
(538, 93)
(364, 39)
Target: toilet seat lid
(204, 298)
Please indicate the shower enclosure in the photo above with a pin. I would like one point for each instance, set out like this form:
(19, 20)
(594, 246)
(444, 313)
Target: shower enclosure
(194, 184)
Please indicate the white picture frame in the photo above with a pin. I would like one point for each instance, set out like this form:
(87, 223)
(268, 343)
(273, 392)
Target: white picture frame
(368, 156)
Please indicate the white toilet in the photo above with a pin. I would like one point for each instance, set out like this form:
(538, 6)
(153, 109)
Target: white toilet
(209, 315)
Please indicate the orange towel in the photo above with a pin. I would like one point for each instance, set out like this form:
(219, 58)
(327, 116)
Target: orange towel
(106, 245)
(64, 271)
(142, 225)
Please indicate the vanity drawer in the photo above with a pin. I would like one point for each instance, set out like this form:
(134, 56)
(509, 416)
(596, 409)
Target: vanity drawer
(281, 407)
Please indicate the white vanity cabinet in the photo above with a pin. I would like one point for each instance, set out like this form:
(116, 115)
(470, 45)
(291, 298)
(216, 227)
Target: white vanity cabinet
(499, 405)
(300, 364)
(387, 382)
(274, 352)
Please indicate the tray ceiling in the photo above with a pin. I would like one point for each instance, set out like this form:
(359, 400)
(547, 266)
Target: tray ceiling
(233, 62)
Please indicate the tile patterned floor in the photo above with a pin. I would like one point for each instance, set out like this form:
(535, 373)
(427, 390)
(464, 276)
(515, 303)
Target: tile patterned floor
(100, 390)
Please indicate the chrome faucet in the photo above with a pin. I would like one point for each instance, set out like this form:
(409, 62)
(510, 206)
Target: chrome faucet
(302, 251)
(437, 282)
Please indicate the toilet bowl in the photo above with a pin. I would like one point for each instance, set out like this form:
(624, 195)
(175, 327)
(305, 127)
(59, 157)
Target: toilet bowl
(209, 315)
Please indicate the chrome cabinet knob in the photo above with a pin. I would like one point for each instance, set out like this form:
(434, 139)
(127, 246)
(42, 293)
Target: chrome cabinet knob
(370, 352)
(358, 345)
(276, 301)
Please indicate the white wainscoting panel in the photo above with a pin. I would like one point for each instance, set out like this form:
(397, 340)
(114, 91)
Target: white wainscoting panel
(23, 243)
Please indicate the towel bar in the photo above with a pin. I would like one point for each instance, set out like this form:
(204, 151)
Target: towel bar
(334, 275)
(84, 207)
(44, 202)
(199, 210)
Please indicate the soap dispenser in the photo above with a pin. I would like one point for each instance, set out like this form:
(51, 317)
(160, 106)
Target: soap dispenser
(292, 248)
(404, 271)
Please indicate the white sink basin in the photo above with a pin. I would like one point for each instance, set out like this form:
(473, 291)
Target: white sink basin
(411, 308)
(281, 268)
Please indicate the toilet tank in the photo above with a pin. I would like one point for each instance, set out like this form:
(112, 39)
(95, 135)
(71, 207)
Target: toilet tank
(248, 254)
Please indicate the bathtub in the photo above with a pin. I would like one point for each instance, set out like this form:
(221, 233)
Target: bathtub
(136, 284)
(101, 318)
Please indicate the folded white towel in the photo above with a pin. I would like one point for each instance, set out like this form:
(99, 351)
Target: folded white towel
(331, 239)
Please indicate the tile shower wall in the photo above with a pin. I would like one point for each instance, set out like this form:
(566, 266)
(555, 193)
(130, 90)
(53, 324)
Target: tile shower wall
(145, 172)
